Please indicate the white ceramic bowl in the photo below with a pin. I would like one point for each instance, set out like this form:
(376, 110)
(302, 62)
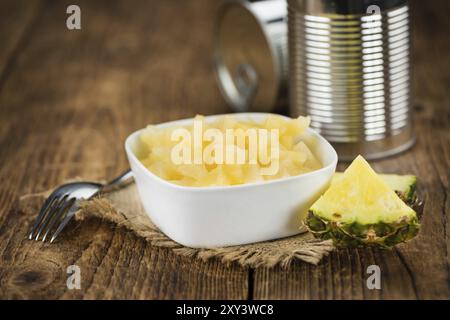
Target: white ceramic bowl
(231, 215)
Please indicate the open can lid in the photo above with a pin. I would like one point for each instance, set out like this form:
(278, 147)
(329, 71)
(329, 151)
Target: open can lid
(247, 66)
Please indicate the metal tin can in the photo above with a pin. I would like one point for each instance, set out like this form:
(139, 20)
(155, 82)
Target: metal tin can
(251, 54)
(350, 71)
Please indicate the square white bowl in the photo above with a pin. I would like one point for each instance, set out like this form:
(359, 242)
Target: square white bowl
(231, 215)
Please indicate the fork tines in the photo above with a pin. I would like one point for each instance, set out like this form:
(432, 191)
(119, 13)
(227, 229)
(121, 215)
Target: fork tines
(53, 216)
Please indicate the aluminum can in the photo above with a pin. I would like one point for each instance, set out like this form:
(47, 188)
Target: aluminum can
(350, 71)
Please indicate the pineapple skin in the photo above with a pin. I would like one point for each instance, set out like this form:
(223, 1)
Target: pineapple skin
(381, 235)
(409, 196)
(384, 235)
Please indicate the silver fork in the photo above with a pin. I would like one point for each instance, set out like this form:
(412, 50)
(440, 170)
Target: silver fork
(63, 203)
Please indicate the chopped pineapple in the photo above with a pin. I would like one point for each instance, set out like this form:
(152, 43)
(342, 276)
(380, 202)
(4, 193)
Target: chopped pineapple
(294, 156)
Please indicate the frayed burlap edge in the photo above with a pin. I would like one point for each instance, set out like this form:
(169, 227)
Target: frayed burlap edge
(280, 252)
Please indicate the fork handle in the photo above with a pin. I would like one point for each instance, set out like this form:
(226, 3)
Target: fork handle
(121, 181)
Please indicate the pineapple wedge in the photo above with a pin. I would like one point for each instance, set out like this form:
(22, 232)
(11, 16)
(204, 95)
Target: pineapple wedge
(360, 208)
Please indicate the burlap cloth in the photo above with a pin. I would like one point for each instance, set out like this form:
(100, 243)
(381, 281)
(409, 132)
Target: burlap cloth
(123, 208)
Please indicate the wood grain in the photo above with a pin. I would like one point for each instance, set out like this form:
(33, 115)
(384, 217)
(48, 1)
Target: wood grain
(418, 269)
(17, 19)
(69, 98)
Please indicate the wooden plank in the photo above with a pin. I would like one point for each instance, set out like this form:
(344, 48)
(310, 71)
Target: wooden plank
(420, 268)
(72, 95)
(431, 83)
(340, 276)
(17, 18)
(65, 110)
(114, 264)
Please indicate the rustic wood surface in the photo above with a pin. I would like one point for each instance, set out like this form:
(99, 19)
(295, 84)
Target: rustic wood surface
(69, 98)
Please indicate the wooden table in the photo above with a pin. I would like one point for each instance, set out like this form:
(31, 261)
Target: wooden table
(68, 99)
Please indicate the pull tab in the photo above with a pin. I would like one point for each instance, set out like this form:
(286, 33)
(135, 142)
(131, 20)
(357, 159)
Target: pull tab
(373, 9)
(246, 81)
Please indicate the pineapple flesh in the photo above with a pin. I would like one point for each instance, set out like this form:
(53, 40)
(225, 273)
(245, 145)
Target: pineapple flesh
(362, 208)
(403, 185)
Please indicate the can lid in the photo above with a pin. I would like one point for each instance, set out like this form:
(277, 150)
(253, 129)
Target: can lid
(246, 66)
